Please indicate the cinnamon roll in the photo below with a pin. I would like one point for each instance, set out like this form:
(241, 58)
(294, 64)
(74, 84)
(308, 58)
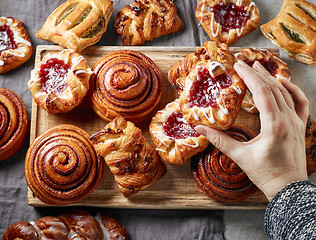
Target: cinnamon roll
(77, 224)
(61, 165)
(14, 123)
(218, 176)
(126, 83)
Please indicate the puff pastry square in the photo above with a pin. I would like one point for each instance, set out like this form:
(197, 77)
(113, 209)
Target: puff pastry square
(144, 20)
(175, 139)
(15, 45)
(133, 161)
(211, 92)
(227, 21)
(77, 24)
(271, 62)
(294, 30)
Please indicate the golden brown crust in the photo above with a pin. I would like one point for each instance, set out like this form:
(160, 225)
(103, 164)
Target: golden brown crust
(280, 71)
(133, 161)
(294, 30)
(77, 80)
(217, 176)
(125, 83)
(144, 20)
(214, 29)
(12, 58)
(173, 150)
(77, 224)
(310, 145)
(61, 165)
(14, 123)
(217, 59)
(77, 24)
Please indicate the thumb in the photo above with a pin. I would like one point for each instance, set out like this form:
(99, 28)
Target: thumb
(226, 144)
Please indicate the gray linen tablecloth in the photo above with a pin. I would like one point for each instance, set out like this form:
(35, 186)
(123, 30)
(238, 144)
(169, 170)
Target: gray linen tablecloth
(140, 224)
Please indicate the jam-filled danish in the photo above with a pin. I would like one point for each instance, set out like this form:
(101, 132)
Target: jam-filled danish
(77, 24)
(15, 45)
(227, 21)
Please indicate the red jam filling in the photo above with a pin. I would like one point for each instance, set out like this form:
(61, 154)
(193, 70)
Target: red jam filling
(52, 74)
(206, 89)
(6, 38)
(271, 66)
(176, 127)
(230, 16)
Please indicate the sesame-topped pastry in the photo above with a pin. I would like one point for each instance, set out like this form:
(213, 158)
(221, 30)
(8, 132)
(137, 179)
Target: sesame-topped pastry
(60, 81)
(175, 139)
(144, 20)
(227, 21)
(294, 30)
(271, 62)
(15, 45)
(77, 24)
(211, 92)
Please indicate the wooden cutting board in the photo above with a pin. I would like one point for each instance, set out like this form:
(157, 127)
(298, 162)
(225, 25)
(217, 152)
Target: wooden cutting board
(175, 190)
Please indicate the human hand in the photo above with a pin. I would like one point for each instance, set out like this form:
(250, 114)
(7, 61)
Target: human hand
(276, 157)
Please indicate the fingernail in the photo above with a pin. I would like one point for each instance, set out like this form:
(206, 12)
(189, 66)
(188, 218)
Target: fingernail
(242, 63)
(201, 130)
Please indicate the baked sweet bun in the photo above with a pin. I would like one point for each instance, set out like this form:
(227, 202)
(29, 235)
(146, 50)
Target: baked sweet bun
(133, 161)
(271, 62)
(15, 45)
(61, 165)
(211, 92)
(60, 81)
(294, 30)
(218, 176)
(175, 139)
(144, 20)
(126, 83)
(77, 224)
(77, 24)
(310, 144)
(14, 123)
(227, 21)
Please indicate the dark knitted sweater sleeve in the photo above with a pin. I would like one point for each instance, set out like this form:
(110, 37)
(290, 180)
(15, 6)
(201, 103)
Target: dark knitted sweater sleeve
(292, 212)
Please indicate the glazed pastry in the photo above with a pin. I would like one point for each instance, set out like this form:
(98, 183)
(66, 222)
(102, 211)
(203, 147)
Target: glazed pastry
(217, 176)
(310, 139)
(294, 30)
(133, 161)
(227, 21)
(271, 62)
(125, 83)
(61, 165)
(144, 20)
(211, 92)
(77, 224)
(15, 45)
(175, 139)
(77, 24)
(14, 123)
(60, 81)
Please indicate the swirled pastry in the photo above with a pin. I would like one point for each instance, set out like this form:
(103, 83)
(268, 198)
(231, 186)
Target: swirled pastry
(175, 139)
(15, 45)
(218, 176)
(61, 165)
(133, 161)
(77, 224)
(60, 81)
(271, 62)
(211, 92)
(310, 144)
(125, 83)
(144, 20)
(227, 21)
(294, 30)
(77, 24)
(14, 123)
